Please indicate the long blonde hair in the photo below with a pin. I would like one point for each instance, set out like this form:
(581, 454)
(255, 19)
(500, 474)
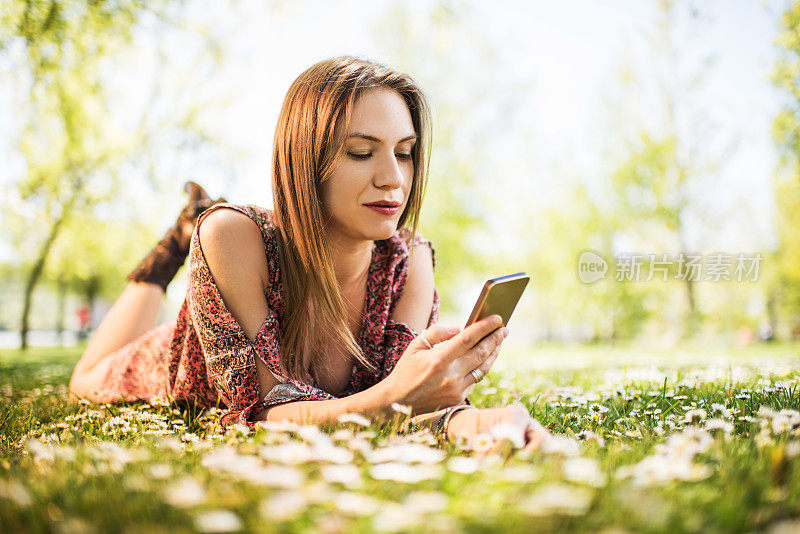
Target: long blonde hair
(304, 155)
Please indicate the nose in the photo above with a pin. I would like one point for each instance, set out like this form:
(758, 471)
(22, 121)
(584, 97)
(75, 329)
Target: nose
(389, 174)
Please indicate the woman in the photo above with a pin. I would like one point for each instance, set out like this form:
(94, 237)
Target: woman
(311, 310)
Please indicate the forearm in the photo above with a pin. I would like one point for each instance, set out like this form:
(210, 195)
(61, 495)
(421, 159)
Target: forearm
(373, 403)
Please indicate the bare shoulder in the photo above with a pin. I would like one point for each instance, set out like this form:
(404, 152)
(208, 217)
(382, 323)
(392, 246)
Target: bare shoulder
(229, 224)
(232, 243)
(234, 252)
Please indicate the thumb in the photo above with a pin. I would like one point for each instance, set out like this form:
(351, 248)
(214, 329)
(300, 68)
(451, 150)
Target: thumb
(437, 333)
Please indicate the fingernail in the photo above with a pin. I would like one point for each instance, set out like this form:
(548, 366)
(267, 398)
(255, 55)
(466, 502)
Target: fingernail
(505, 331)
(497, 321)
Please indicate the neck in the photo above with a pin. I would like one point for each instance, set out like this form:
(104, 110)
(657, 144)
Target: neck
(351, 259)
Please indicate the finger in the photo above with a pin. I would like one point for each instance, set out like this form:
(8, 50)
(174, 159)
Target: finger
(484, 366)
(470, 336)
(532, 442)
(535, 436)
(487, 364)
(437, 333)
(479, 355)
(434, 334)
(468, 389)
(467, 376)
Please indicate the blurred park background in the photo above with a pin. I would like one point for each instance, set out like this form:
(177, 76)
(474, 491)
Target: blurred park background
(648, 130)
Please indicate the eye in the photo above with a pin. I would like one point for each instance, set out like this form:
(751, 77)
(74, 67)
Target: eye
(359, 156)
(404, 156)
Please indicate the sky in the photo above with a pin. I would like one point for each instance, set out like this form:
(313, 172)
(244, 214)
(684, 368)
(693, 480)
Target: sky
(559, 61)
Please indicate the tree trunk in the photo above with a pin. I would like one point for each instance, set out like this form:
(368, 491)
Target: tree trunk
(691, 320)
(690, 295)
(34, 276)
(92, 289)
(61, 308)
(772, 312)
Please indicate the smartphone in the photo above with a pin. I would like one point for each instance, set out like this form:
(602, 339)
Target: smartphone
(500, 296)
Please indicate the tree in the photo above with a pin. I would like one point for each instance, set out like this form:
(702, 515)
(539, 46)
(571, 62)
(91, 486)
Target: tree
(74, 154)
(669, 158)
(784, 290)
(94, 264)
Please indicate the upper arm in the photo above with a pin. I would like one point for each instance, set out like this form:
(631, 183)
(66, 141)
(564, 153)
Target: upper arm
(416, 301)
(233, 249)
(232, 245)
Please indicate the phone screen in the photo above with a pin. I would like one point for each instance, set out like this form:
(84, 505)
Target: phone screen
(500, 296)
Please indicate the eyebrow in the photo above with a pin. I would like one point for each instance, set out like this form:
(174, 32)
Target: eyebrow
(375, 139)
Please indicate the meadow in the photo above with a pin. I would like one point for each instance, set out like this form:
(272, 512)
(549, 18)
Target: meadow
(690, 440)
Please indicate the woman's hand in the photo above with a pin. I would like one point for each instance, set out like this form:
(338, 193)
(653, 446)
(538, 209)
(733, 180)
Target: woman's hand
(496, 424)
(428, 379)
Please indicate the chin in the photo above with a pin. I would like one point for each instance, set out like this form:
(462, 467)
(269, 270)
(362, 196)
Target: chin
(384, 235)
(382, 231)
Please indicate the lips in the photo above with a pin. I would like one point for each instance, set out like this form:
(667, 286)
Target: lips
(385, 204)
(384, 209)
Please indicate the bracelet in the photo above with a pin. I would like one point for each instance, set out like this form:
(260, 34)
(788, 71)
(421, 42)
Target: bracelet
(444, 421)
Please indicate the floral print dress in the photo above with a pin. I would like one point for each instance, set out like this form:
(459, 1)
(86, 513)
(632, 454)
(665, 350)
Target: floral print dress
(205, 357)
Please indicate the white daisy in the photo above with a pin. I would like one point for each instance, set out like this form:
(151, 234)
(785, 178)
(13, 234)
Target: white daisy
(561, 499)
(400, 472)
(283, 505)
(352, 503)
(353, 418)
(694, 416)
(401, 408)
(184, 493)
(217, 521)
(347, 474)
(426, 502)
(560, 444)
(584, 471)
(462, 464)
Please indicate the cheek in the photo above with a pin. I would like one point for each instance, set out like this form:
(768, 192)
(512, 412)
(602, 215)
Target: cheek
(409, 181)
(335, 195)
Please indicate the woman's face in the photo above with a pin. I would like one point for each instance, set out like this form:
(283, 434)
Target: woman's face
(376, 167)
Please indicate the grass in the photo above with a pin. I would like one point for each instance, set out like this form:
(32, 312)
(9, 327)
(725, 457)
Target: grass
(683, 440)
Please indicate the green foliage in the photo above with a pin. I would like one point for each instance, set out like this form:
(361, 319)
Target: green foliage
(785, 279)
(785, 76)
(786, 259)
(72, 153)
(94, 263)
(75, 143)
(612, 309)
(649, 185)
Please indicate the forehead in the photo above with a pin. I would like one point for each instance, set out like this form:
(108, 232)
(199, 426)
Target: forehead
(383, 113)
